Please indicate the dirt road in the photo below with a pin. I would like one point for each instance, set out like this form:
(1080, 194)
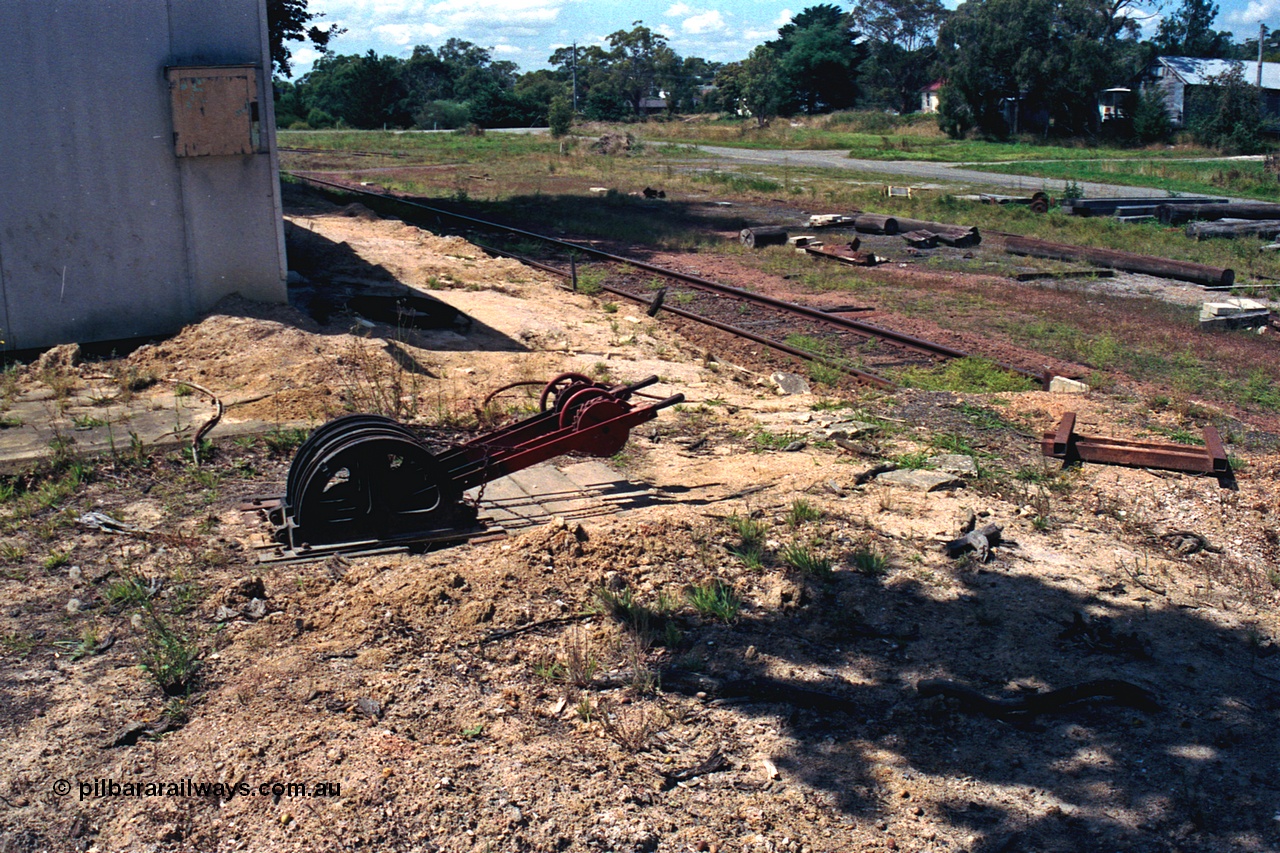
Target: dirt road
(915, 171)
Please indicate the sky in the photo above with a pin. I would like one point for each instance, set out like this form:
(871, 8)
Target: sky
(526, 32)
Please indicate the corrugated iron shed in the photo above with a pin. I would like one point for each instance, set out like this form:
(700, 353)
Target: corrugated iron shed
(1196, 72)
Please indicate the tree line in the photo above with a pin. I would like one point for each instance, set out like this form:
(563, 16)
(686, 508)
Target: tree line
(1006, 66)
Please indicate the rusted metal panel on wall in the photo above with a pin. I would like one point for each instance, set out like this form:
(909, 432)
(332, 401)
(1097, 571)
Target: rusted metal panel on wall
(215, 110)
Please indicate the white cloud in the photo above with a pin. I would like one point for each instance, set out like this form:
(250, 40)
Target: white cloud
(1257, 10)
(784, 18)
(679, 10)
(435, 18)
(507, 50)
(706, 22)
(408, 34)
(491, 13)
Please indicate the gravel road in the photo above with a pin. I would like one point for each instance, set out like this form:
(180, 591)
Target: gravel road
(917, 171)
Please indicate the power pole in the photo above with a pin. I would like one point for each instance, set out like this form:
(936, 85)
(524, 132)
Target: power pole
(575, 75)
(1262, 34)
(1262, 98)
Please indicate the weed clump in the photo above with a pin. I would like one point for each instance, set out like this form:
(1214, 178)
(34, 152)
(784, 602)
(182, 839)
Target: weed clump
(715, 600)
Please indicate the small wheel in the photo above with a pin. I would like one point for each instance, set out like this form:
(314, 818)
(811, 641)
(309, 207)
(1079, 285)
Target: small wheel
(556, 387)
(570, 402)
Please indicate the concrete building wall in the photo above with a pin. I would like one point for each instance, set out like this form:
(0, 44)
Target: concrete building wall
(105, 232)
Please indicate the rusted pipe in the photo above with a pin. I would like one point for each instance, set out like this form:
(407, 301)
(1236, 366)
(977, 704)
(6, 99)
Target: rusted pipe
(1126, 261)
(1176, 214)
(1267, 229)
(926, 225)
(875, 223)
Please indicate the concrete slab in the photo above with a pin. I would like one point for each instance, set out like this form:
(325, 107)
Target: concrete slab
(569, 490)
(921, 481)
(96, 421)
(958, 464)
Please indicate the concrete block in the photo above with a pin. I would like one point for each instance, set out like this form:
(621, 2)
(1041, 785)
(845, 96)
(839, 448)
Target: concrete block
(958, 464)
(1228, 307)
(1063, 385)
(921, 481)
(790, 383)
(845, 430)
(1248, 320)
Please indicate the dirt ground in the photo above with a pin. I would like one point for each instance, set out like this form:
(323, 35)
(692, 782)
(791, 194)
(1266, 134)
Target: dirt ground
(560, 689)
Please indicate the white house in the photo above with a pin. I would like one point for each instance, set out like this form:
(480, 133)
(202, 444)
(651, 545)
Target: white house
(929, 99)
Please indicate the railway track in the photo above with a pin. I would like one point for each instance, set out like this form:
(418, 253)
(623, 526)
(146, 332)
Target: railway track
(867, 353)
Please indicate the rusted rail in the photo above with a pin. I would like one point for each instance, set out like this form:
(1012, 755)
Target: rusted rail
(871, 330)
(1126, 261)
(1063, 443)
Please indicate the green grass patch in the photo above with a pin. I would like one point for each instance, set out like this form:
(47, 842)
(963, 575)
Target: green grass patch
(715, 600)
(802, 511)
(806, 560)
(750, 545)
(764, 439)
(1209, 178)
(914, 461)
(170, 657)
(952, 442)
(983, 418)
(648, 623)
(873, 135)
(870, 561)
(17, 645)
(128, 591)
(969, 375)
(737, 182)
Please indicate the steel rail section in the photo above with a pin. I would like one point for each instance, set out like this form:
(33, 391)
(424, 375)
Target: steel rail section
(1064, 443)
(867, 329)
(869, 378)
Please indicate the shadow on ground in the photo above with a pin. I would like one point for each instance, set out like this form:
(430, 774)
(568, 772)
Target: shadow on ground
(1197, 774)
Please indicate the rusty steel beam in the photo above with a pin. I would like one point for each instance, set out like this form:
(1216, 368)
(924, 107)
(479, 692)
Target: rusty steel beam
(1063, 443)
(1175, 213)
(1126, 261)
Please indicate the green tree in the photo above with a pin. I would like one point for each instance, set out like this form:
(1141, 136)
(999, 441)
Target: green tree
(560, 116)
(640, 63)
(685, 84)
(901, 50)
(761, 86)
(1150, 116)
(365, 91)
(1189, 32)
(288, 20)
(600, 96)
(1043, 60)
(1225, 113)
(459, 83)
(291, 106)
(910, 24)
(818, 55)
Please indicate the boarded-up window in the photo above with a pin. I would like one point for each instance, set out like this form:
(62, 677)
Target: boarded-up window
(215, 110)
